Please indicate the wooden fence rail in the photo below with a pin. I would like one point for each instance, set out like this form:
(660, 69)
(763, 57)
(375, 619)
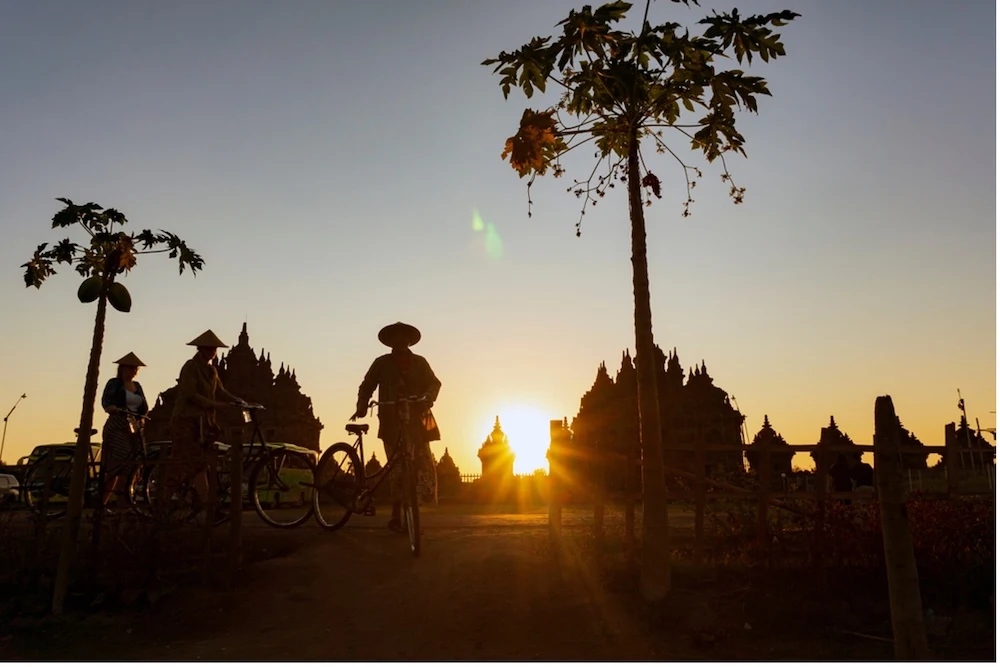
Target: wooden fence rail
(908, 630)
(563, 458)
(95, 502)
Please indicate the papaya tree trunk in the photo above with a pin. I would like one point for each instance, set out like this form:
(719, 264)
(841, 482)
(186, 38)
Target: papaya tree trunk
(81, 456)
(655, 564)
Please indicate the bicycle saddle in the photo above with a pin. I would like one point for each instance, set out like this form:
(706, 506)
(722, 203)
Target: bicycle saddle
(357, 429)
(93, 431)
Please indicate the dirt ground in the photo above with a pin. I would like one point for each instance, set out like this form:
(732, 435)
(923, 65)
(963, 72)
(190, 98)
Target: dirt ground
(487, 587)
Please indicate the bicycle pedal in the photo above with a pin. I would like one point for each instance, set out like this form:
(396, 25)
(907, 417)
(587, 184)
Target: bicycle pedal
(369, 511)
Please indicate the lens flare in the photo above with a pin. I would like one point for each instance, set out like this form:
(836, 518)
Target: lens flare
(492, 243)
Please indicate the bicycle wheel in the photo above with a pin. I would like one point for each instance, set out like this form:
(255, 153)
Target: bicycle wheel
(139, 489)
(281, 488)
(34, 490)
(339, 479)
(411, 508)
(146, 485)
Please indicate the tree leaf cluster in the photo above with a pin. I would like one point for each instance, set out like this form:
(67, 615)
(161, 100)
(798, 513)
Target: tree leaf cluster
(109, 251)
(613, 82)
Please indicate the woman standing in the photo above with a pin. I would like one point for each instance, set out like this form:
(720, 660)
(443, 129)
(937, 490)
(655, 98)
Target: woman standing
(122, 395)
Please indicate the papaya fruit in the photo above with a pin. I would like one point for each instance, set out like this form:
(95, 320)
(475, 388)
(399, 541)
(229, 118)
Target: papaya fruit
(89, 289)
(119, 298)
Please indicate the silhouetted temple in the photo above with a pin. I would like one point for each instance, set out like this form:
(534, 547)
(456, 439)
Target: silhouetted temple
(832, 436)
(692, 414)
(780, 454)
(496, 456)
(288, 416)
(448, 476)
(967, 437)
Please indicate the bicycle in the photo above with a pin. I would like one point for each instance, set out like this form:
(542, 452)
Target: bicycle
(266, 487)
(342, 491)
(37, 485)
(47, 478)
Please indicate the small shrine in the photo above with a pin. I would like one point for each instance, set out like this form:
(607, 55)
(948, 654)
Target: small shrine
(449, 478)
(496, 456)
(778, 451)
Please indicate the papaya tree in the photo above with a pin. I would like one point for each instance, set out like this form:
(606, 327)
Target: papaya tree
(108, 254)
(621, 93)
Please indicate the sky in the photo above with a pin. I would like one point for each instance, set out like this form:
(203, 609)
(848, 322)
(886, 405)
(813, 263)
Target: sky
(329, 160)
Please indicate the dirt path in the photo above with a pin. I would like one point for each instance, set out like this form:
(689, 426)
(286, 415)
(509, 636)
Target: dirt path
(490, 590)
(487, 587)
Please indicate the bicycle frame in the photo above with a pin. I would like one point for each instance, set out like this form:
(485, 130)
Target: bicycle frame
(404, 451)
(250, 417)
(404, 446)
(369, 489)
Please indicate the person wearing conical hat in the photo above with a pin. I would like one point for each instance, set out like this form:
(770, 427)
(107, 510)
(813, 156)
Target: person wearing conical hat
(193, 423)
(403, 373)
(122, 395)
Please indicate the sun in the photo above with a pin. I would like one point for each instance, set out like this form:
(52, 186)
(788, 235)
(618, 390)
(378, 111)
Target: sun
(527, 430)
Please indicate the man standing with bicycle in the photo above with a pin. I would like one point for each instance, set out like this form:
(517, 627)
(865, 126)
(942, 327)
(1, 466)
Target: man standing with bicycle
(398, 374)
(193, 424)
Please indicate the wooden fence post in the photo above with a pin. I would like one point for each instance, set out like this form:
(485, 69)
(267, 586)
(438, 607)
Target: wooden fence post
(699, 497)
(951, 457)
(555, 470)
(97, 519)
(236, 511)
(764, 493)
(822, 477)
(599, 500)
(909, 635)
(630, 467)
(210, 511)
(42, 518)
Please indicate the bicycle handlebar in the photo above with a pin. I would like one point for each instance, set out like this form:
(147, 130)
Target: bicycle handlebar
(401, 400)
(248, 406)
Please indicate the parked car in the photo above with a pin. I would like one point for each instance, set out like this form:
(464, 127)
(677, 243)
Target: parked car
(63, 451)
(8, 490)
(62, 466)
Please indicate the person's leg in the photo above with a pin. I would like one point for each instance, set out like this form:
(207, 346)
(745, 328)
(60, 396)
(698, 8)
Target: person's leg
(114, 452)
(390, 440)
(426, 468)
(112, 486)
(200, 485)
(183, 465)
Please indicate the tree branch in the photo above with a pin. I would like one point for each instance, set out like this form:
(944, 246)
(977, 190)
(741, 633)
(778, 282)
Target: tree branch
(576, 145)
(89, 230)
(570, 128)
(688, 183)
(588, 188)
(673, 125)
(736, 193)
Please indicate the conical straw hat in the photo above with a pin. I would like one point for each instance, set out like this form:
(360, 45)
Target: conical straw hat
(130, 360)
(207, 339)
(408, 333)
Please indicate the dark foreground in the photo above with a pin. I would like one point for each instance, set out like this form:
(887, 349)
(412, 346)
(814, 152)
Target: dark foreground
(486, 588)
